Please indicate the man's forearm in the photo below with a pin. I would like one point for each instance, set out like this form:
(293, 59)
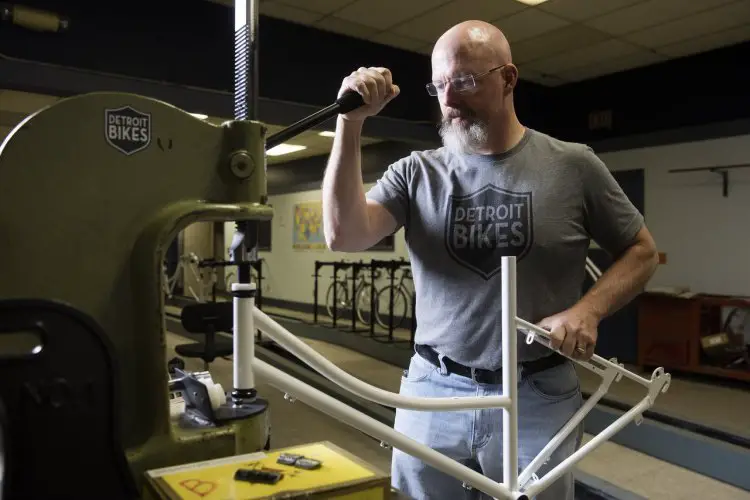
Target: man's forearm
(623, 281)
(344, 204)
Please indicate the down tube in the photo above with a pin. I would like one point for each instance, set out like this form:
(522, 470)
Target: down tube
(336, 409)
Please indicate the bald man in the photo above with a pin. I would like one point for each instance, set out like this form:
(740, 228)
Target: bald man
(495, 188)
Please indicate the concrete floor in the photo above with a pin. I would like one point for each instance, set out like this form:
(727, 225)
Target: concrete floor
(297, 423)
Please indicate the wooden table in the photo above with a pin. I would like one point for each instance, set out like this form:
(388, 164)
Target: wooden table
(670, 329)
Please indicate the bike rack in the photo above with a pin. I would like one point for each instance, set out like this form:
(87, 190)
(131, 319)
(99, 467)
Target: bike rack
(319, 264)
(392, 266)
(357, 267)
(337, 266)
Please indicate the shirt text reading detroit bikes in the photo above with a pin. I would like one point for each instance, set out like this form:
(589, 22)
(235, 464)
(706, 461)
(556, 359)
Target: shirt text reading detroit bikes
(492, 226)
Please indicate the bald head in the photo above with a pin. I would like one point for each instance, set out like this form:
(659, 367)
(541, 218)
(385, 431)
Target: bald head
(474, 77)
(475, 40)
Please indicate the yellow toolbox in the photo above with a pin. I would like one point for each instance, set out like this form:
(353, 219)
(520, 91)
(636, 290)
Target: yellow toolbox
(340, 475)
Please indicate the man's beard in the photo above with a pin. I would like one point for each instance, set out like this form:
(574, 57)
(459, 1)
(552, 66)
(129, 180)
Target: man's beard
(468, 136)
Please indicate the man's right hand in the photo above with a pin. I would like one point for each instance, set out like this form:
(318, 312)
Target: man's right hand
(376, 87)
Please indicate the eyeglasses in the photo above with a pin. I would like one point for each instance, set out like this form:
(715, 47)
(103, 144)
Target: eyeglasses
(463, 83)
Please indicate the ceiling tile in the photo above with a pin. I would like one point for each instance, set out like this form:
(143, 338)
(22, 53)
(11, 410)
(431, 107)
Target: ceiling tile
(608, 66)
(382, 14)
(427, 49)
(712, 21)
(650, 13)
(634, 60)
(528, 24)
(533, 76)
(322, 6)
(288, 13)
(394, 40)
(432, 24)
(580, 10)
(555, 42)
(585, 56)
(349, 28)
(707, 42)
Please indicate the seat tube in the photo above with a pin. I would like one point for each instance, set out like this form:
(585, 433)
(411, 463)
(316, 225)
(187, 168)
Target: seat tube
(510, 373)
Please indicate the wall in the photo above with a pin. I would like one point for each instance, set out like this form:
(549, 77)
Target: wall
(704, 235)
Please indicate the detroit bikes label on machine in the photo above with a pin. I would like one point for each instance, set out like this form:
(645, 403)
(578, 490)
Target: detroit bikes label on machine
(127, 130)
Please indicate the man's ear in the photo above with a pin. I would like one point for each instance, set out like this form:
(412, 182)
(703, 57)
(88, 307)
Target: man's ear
(510, 76)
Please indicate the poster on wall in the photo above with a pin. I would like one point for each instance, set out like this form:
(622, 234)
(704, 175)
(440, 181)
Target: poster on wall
(308, 226)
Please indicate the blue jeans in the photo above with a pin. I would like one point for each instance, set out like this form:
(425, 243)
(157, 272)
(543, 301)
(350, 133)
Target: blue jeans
(546, 401)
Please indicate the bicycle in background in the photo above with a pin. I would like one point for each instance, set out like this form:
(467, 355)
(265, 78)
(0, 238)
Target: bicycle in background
(361, 299)
(190, 262)
(401, 301)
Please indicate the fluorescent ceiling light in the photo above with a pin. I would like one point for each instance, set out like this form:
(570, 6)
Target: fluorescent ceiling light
(199, 116)
(327, 133)
(284, 149)
(531, 2)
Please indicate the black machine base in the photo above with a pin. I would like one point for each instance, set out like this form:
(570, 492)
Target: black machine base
(230, 411)
(198, 403)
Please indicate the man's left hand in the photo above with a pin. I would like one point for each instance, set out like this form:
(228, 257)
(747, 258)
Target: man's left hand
(573, 332)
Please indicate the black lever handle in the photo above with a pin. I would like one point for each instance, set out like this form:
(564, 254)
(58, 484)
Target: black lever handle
(348, 102)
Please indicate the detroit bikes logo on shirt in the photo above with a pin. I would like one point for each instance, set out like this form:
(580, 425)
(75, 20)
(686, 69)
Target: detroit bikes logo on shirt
(127, 129)
(486, 225)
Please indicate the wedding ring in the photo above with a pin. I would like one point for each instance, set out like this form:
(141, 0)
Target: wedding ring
(581, 349)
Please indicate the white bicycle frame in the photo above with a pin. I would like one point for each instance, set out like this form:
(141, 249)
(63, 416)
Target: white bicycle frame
(516, 485)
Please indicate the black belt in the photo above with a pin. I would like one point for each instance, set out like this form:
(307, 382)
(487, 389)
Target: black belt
(483, 376)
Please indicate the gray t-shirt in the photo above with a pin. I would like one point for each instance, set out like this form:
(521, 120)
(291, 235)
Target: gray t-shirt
(543, 201)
